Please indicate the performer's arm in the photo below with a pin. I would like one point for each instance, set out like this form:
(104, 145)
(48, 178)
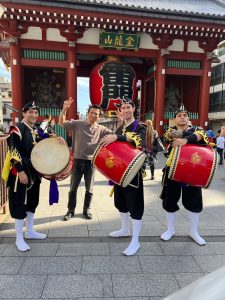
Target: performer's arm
(14, 143)
(138, 137)
(193, 138)
(110, 138)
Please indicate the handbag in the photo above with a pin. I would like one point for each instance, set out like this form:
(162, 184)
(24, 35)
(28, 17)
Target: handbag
(157, 145)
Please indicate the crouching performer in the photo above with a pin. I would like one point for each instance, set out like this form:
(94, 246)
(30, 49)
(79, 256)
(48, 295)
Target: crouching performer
(182, 134)
(129, 200)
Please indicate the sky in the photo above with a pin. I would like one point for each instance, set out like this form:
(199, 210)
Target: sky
(83, 98)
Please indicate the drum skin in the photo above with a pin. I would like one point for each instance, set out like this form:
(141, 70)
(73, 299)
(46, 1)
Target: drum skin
(119, 162)
(49, 157)
(193, 165)
(65, 172)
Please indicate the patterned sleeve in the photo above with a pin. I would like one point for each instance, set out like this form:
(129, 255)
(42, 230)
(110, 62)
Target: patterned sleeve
(166, 135)
(14, 143)
(202, 133)
(138, 138)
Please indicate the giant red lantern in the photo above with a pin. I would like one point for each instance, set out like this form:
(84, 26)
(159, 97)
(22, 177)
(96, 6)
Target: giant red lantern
(110, 81)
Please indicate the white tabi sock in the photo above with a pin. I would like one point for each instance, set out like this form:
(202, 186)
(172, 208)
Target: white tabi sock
(167, 235)
(134, 244)
(125, 229)
(31, 234)
(194, 217)
(20, 243)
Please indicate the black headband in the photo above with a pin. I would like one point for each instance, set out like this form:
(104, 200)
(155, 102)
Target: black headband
(30, 105)
(125, 100)
(181, 109)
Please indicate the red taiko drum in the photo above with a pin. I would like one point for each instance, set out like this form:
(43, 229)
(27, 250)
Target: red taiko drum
(52, 159)
(119, 162)
(193, 165)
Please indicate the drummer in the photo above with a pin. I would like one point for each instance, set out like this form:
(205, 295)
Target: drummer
(181, 134)
(129, 200)
(23, 181)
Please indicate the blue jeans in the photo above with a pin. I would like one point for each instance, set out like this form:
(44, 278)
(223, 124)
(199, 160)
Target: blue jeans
(82, 168)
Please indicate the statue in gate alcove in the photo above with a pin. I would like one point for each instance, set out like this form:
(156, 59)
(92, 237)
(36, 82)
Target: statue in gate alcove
(172, 97)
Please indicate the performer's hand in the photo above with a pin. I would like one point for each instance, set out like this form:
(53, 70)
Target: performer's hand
(175, 133)
(119, 115)
(23, 177)
(179, 142)
(61, 140)
(108, 139)
(67, 103)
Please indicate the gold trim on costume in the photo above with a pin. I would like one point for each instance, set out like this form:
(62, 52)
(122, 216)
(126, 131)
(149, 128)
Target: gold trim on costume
(134, 137)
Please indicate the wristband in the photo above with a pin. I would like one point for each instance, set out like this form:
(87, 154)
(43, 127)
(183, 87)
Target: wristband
(121, 138)
(192, 139)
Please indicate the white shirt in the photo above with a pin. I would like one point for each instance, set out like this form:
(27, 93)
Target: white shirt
(220, 141)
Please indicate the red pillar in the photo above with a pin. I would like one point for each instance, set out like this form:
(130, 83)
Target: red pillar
(72, 79)
(160, 93)
(16, 71)
(204, 92)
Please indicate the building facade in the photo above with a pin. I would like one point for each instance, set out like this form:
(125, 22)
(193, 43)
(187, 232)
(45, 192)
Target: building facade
(169, 44)
(217, 91)
(5, 100)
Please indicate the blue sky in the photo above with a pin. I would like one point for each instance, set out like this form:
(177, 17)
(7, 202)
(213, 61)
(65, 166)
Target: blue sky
(83, 97)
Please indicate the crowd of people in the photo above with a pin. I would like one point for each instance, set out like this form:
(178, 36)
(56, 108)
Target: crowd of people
(24, 181)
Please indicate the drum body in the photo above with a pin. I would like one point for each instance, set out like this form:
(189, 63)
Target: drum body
(193, 165)
(119, 162)
(52, 159)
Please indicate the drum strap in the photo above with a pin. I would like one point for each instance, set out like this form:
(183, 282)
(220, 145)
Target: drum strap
(53, 192)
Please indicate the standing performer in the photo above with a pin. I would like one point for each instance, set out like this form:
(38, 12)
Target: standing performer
(86, 135)
(23, 180)
(130, 199)
(182, 134)
(151, 150)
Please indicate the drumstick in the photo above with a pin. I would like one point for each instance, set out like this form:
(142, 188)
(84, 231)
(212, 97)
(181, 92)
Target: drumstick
(111, 192)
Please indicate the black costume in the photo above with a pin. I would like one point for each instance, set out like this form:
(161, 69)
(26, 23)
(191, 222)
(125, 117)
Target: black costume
(22, 198)
(131, 198)
(171, 192)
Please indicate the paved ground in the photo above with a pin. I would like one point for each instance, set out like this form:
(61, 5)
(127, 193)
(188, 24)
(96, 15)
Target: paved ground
(79, 261)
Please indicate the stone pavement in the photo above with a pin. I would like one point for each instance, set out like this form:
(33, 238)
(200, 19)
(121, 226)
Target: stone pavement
(79, 261)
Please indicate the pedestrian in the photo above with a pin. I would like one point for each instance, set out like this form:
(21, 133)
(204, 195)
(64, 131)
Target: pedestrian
(51, 127)
(220, 143)
(45, 123)
(22, 179)
(1, 128)
(130, 199)
(181, 134)
(7, 126)
(86, 135)
(151, 149)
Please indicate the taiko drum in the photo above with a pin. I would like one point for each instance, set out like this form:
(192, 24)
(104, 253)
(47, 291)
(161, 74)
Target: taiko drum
(119, 162)
(193, 165)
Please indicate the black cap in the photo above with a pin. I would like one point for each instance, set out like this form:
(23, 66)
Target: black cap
(125, 100)
(181, 109)
(30, 105)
